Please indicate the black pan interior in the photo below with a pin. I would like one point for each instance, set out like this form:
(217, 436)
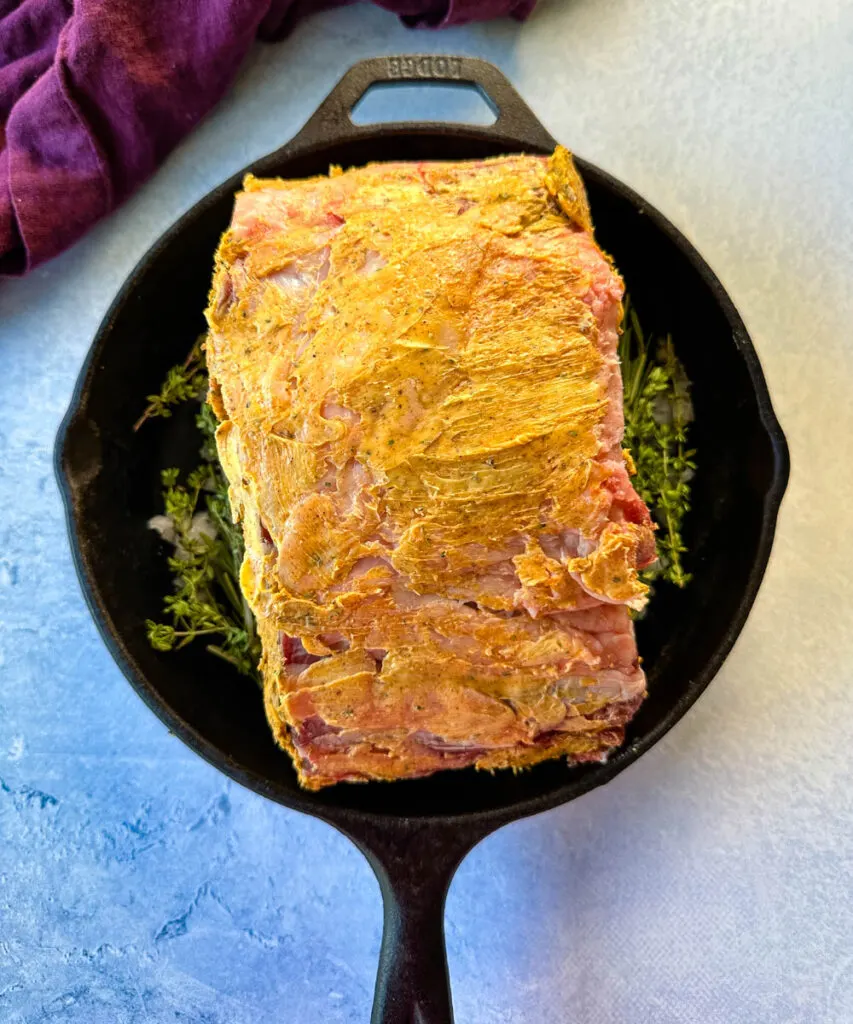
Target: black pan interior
(683, 639)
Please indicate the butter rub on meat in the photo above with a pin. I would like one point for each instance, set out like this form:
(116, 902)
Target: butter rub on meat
(415, 369)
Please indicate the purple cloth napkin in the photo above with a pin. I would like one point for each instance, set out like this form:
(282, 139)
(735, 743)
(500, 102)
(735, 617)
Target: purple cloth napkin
(95, 93)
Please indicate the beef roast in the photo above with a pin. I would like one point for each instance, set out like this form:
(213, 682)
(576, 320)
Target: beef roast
(415, 369)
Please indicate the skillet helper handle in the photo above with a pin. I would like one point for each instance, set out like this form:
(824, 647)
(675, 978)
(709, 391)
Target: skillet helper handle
(513, 118)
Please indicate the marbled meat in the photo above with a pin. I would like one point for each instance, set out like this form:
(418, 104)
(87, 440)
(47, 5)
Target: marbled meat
(415, 370)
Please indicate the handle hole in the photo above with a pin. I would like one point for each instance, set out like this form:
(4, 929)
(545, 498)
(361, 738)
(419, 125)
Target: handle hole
(459, 103)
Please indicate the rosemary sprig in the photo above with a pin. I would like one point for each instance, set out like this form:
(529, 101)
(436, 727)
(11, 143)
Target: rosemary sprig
(183, 382)
(657, 414)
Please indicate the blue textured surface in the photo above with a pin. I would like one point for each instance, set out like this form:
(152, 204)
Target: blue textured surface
(711, 882)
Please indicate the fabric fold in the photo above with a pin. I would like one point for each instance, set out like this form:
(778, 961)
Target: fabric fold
(94, 95)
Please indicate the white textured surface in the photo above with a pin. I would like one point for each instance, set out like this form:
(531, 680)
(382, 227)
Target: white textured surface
(711, 882)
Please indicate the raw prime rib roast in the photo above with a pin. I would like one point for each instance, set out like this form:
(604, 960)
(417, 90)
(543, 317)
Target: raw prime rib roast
(414, 366)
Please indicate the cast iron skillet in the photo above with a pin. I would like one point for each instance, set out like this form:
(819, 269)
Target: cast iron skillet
(413, 833)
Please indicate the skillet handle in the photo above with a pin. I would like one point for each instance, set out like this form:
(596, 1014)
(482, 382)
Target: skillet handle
(515, 121)
(414, 863)
(412, 983)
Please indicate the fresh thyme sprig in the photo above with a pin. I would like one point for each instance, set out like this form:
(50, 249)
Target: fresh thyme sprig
(657, 413)
(183, 382)
(207, 600)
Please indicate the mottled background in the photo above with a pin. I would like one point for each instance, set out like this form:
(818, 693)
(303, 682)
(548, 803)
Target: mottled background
(711, 882)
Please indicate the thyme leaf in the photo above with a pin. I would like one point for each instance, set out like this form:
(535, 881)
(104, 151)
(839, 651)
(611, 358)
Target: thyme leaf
(208, 552)
(657, 417)
(183, 382)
